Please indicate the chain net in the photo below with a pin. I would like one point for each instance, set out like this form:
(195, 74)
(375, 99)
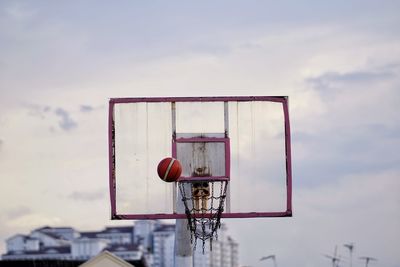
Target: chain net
(204, 203)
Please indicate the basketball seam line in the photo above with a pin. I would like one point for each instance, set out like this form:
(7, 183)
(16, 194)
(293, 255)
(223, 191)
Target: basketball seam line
(168, 169)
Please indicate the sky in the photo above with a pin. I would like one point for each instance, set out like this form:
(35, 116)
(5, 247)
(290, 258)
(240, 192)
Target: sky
(337, 61)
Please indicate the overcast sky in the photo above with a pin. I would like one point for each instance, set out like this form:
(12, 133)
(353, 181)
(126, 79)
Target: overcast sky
(339, 63)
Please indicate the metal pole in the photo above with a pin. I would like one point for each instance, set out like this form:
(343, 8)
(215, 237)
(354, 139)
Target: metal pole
(183, 246)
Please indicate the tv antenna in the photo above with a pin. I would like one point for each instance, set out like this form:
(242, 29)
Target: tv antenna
(350, 247)
(367, 260)
(272, 257)
(335, 258)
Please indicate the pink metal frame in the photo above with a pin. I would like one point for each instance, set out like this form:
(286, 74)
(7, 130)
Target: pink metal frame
(226, 177)
(111, 147)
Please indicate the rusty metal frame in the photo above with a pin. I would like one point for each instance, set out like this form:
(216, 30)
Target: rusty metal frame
(111, 147)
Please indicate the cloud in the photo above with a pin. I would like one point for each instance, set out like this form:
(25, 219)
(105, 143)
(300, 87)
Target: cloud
(35, 110)
(18, 212)
(87, 196)
(66, 123)
(357, 76)
(86, 108)
(358, 208)
(211, 49)
(18, 12)
(34, 220)
(356, 130)
(331, 80)
(343, 151)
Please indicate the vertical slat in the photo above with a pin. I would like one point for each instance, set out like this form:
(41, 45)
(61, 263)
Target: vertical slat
(173, 114)
(288, 156)
(111, 159)
(226, 118)
(227, 157)
(228, 174)
(173, 121)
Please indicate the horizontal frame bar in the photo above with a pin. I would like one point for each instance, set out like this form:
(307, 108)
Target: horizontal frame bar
(207, 215)
(203, 178)
(280, 99)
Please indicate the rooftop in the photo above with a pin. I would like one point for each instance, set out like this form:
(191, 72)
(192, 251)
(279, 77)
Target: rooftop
(46, 250)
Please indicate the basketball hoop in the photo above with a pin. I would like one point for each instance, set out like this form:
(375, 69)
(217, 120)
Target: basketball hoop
(211, 138)
(203, 208)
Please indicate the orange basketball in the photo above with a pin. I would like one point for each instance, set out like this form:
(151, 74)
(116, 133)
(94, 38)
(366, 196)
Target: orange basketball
(169, 169)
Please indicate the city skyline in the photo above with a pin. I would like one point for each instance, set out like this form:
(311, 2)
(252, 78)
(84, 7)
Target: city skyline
(149, 243)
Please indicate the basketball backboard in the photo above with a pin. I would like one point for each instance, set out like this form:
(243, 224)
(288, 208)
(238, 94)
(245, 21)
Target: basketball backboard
(244, 141)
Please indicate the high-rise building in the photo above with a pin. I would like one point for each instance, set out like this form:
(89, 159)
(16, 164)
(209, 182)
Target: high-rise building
(224, 252)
